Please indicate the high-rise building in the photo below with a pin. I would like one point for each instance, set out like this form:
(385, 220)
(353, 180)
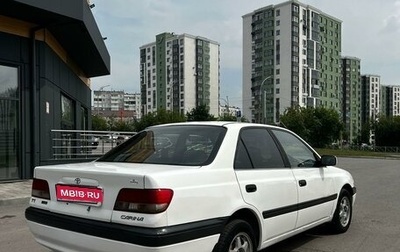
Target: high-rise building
(370, 102)
(390, 100)
(179, 73)
(291, 57)
(351, 94)
(370, 97)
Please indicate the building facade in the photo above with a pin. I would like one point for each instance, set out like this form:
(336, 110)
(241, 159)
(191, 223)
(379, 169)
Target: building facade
(179, 73)
(44, 77)
(370, 97)
(291, 57)
(351, 103)
(117, 104)
(390, 100)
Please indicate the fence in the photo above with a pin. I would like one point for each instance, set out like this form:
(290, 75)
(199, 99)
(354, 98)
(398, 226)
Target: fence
(385, 149)
(78, 144)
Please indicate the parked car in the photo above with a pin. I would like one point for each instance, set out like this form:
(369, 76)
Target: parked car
(122, 138)
(196, 186)
(89, 143)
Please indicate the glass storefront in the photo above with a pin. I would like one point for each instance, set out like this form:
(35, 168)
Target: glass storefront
(9, 123)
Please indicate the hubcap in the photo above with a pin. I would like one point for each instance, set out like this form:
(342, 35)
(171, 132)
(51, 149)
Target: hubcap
(241, 243)
(344, 211)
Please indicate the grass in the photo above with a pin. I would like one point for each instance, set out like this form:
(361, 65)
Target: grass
(357, 153)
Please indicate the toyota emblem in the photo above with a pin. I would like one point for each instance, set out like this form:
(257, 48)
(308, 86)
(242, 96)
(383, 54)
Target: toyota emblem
(77, 181)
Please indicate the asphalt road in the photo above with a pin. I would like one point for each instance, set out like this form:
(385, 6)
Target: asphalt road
(375, 226)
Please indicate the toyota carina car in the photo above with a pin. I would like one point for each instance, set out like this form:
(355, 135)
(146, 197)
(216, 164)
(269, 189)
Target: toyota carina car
(196, 186)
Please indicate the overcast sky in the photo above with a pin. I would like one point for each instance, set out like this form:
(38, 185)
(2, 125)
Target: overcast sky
(370, 31)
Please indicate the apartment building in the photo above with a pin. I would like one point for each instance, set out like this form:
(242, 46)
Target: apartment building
(117, 104)
(351, 94)
(291, 57)
(370, 97)
(179, 73)
(390, 100)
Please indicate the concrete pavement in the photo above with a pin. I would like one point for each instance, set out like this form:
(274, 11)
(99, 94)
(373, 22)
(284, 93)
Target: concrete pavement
(15, 192)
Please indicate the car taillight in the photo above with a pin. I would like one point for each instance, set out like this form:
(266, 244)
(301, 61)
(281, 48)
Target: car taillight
(143, 200)
(40, 189)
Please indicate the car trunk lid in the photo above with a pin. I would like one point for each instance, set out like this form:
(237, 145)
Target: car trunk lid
(87, 190)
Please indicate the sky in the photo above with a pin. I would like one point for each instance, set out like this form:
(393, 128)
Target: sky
(370, 32)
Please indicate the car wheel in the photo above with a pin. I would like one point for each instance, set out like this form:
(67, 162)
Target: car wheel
(237, 236)
(343, 213)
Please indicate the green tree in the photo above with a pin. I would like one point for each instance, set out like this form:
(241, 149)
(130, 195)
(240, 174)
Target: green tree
(293, 119)
(318, 126)
(99, 123)
(120, 125)
(227, 117)
(160, 117)
(200, 113)
(364, 134)
(387, 131)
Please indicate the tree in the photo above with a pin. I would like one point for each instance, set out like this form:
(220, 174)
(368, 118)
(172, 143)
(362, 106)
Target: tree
(120, 125)
(293, 119)
(99, 123)
(318, 126)
(387, 131)
(200, 113)
(160, 117)
(227, 117)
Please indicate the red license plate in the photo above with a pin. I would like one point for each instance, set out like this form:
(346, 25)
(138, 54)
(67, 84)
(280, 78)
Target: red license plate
(79, 194)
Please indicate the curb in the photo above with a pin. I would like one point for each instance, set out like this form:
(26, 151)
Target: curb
(14, 201)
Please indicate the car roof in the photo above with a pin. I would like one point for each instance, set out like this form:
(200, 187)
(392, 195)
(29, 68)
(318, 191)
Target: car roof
(226, 124)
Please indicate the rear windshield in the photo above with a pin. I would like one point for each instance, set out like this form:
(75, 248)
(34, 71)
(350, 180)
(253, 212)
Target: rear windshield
(175, 145)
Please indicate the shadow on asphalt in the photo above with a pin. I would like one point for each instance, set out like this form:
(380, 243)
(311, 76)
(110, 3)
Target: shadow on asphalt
(293, 243)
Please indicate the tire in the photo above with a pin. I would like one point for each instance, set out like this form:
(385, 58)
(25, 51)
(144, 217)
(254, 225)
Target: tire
(238, 235)
(343, 213)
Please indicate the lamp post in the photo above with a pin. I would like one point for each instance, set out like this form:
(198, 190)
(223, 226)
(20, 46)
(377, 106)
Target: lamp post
(263, 100)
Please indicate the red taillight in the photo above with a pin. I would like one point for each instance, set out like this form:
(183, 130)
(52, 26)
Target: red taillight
(40, 189)
(143, 200)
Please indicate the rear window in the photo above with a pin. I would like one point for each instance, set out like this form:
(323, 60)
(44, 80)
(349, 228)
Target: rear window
(175, 145)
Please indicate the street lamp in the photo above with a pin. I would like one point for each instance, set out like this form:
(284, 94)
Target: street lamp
(263, 98)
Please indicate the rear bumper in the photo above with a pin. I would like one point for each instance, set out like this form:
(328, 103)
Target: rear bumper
(63, 240)
(40, 220)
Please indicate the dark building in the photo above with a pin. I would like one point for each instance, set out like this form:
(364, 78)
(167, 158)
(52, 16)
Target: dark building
(49, 50)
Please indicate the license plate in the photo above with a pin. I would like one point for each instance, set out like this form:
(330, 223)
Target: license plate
(79, 194)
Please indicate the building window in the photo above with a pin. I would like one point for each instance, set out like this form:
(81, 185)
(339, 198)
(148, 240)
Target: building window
(84, 118)
(278, 13)
(67, 113)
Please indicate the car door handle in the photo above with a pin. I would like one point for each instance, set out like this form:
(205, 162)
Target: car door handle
(251, 188)
(302, 182)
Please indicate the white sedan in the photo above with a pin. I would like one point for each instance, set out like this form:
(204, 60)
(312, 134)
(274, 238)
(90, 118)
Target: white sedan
(198, 186)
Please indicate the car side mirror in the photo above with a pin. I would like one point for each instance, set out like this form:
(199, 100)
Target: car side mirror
(328, 160)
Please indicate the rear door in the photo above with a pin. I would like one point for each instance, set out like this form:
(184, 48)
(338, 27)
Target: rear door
(265, 182)
(315, 185)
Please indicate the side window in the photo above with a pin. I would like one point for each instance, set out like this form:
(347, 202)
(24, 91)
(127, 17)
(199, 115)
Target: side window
(298, 153)
(260, 148)
(242, 159)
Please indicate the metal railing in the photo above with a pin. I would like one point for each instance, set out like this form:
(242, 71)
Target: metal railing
(78, 144)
